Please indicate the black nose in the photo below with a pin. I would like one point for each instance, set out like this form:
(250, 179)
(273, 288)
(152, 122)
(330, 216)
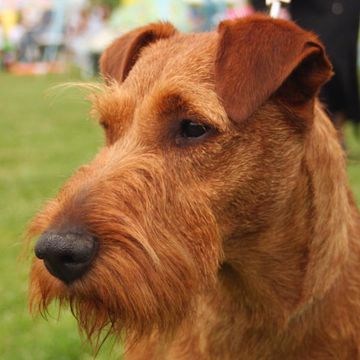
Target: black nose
(68, 255)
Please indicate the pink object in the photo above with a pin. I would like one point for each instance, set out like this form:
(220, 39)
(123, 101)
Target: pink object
(239, 12)
(248, 10)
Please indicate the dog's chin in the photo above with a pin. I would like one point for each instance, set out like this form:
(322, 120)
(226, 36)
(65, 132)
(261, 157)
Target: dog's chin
(97, 316)
(102, 307)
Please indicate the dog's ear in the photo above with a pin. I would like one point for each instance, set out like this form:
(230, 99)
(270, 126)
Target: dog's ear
(259, 57)
(118, 59)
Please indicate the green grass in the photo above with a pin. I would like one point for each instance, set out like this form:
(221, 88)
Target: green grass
(42, 140)
(353, 149)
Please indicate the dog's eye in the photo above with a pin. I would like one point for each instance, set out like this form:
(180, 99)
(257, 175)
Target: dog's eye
(190, 129)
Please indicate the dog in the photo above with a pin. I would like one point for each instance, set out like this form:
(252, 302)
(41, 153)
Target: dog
(217, 221)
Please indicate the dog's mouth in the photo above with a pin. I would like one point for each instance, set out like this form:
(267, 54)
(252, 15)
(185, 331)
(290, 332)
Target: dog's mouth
(117, 293)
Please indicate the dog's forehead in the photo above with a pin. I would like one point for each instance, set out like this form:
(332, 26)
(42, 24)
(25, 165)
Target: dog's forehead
(183, 58)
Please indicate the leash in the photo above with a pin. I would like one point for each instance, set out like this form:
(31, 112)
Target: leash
(275, 6)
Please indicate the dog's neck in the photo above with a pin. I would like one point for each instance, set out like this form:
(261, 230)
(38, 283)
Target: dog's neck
(303, 259)
(301, 252)
(304, 255)
(333, 208)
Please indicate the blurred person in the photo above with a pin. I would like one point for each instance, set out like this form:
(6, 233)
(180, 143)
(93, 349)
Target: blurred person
(205, 14)
(83, 26)
(17, 31)
(337, 24)
(9, 37)
(141, 12)
(29, 47)
(2, 43)
(51, 39)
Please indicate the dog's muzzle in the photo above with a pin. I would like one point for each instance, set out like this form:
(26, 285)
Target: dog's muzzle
(68, 255)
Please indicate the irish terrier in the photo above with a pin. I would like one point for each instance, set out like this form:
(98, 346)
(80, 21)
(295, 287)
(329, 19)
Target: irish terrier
(217, 221)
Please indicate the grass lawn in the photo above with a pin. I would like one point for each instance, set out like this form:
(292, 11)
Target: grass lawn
(42, 140)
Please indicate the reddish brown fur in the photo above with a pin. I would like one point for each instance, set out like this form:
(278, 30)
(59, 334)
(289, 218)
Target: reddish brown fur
(242, 245)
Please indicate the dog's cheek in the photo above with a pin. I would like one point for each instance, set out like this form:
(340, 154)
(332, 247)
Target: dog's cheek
(254, 171)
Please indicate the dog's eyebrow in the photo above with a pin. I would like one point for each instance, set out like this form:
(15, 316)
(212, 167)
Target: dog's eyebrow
(198, 104)
(112, 105)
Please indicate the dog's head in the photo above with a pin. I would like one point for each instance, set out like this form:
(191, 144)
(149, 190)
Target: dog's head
(205, 157)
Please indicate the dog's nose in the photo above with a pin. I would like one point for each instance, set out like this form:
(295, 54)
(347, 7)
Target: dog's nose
(67, 256)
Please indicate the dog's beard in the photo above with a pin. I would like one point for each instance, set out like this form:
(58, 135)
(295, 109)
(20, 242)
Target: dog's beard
(126, 290)
(151, 265)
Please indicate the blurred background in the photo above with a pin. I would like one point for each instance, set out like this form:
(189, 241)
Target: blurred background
(48, 36)
(45, 135)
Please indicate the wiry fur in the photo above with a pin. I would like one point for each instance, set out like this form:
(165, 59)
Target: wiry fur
(242, 245)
